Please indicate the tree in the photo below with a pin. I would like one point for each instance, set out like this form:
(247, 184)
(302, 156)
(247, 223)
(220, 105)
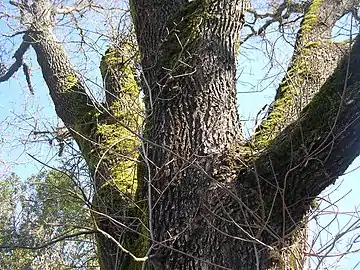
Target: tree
(44, 224)
(176, 184)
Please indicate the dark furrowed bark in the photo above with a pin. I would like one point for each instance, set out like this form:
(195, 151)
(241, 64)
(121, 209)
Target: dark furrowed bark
(192, 100)
(150, 19)
(192, 117)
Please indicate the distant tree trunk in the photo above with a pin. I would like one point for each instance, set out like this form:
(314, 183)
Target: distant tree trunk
(202, 197)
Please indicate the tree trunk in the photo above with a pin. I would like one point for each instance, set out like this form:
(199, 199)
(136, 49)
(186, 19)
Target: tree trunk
(198, 196)
(221, 204)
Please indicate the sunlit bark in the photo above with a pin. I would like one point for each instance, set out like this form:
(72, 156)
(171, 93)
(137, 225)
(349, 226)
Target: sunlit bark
(187, 191)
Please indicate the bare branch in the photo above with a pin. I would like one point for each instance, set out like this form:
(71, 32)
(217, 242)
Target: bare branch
(75, 7)
(283, 12)
(54, 241)
(18, 55)
(26, 70)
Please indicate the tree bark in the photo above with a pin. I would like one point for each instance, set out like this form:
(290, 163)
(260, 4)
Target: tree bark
(202, 197)
(107, 135)
(315, 58)
(217, 205)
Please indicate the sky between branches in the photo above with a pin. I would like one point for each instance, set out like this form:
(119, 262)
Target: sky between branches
(21, 113)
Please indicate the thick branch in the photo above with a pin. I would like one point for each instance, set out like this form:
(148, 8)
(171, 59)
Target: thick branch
(66, 89)
(315, 59)
(314, 151)
(18, 55)
(116, 66)
(112, 155)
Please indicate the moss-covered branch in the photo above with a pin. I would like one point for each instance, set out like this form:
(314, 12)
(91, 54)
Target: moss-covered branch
(311, 153)
(111, 148)
(66, 89)
(315, 58)
(117, 69)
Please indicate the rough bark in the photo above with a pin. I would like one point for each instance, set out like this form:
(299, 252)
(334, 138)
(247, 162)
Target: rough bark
(217, 221)
(315, 58)
(209, 199)
(192, 118)
(107, 135)
(67, 91)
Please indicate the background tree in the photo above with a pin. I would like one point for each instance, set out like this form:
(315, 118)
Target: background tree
(44, 224)
(197, 195)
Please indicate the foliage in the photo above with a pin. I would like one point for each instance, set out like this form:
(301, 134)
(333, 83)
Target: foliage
(39, 211)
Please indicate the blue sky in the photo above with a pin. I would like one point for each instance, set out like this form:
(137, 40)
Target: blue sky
(20, 112)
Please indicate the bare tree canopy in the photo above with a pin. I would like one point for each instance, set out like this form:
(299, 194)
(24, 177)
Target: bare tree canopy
(176, 184)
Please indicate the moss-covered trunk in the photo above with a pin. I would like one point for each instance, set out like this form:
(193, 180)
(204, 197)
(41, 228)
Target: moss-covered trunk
(202, 215)
(111, 150)
(202, 197)
(216, 202)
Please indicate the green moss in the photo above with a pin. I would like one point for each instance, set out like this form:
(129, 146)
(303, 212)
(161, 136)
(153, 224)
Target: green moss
(185, 31)
(112, 139)
(311, 16)
(112, 59)
(70, 82)
(237, 46)
(119, 144)
(312, 44)
(117, 69)
(314, 204)
(290, 87)
(109, 143)
(132, 10)
(119, 140)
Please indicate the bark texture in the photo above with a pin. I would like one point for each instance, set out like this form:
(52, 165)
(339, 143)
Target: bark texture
(197, 196)
(192, 118)
(107, 135)
(219, 202)
(315, 58)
